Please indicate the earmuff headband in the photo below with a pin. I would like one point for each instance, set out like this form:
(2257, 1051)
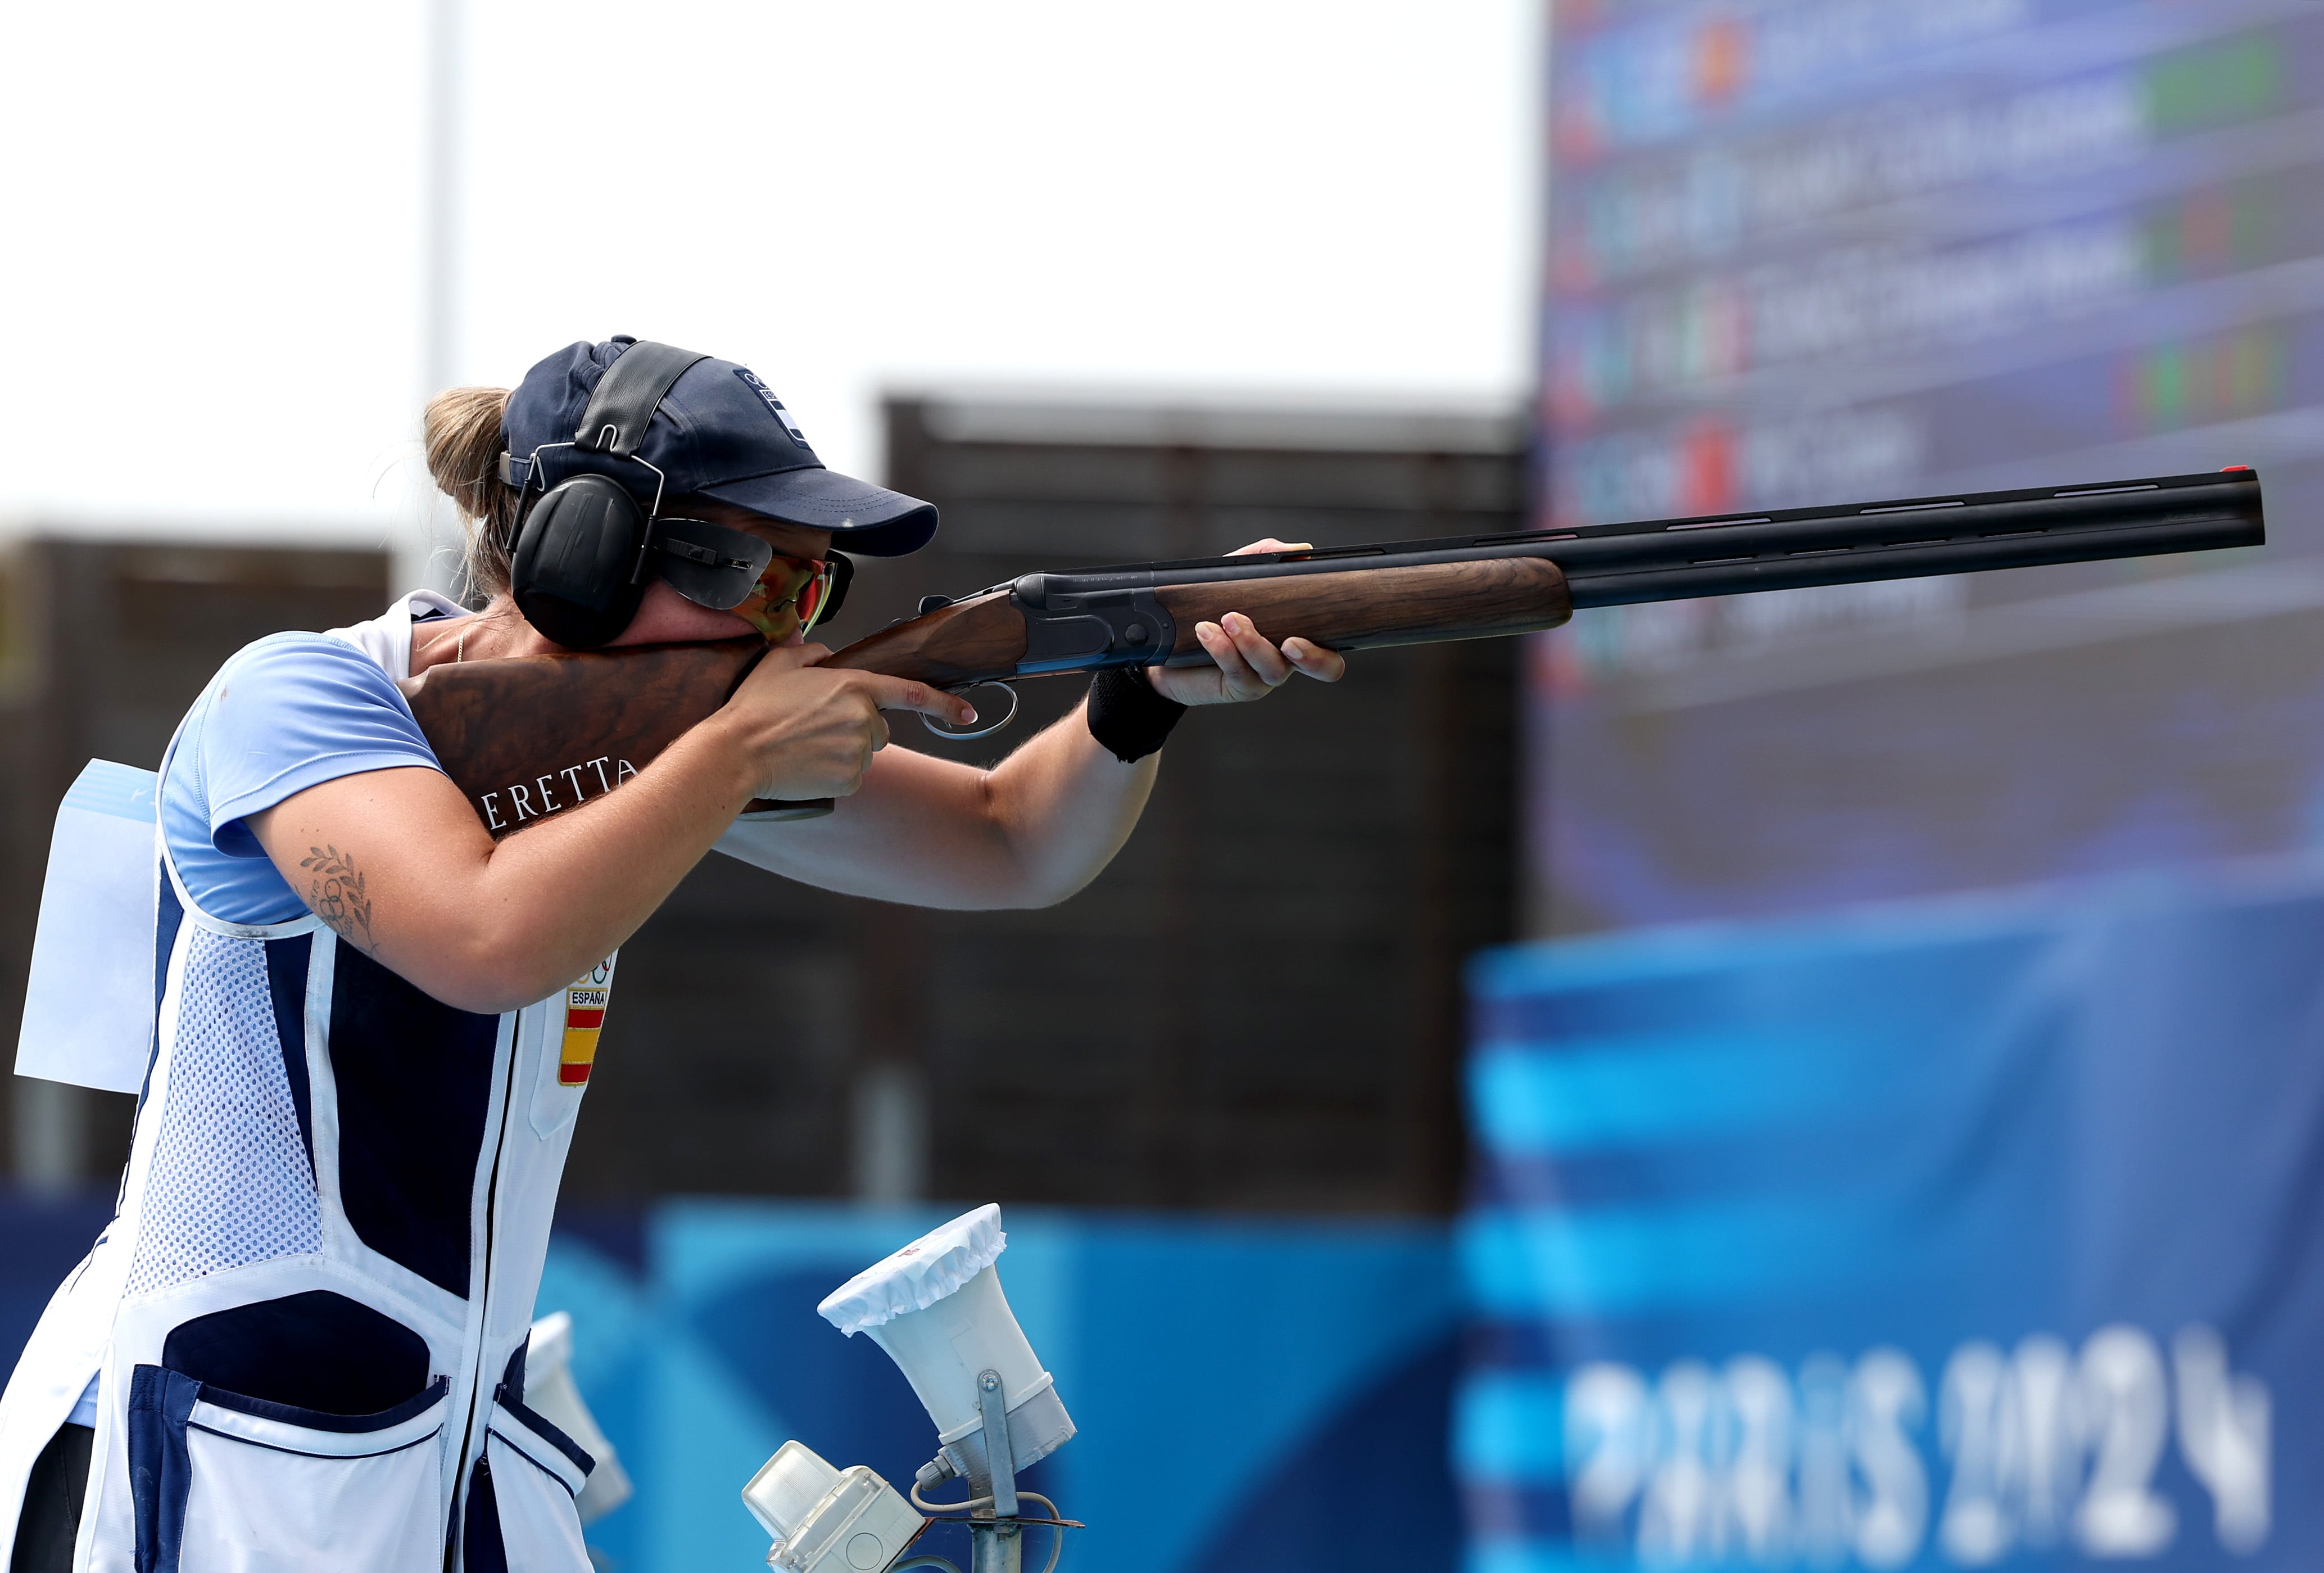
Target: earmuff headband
(624, 403)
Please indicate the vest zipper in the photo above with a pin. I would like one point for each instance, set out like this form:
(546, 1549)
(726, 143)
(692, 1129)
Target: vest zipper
(482, 1298)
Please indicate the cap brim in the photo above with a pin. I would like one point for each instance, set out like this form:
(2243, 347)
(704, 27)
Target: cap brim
(869, 520)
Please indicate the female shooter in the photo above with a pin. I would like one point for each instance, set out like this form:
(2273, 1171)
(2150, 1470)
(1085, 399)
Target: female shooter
(302, 1337)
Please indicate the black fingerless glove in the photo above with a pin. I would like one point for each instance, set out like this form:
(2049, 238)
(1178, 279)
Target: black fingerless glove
(1127, 717)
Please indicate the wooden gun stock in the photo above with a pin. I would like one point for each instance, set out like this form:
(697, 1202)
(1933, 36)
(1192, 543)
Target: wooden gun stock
(533, 735)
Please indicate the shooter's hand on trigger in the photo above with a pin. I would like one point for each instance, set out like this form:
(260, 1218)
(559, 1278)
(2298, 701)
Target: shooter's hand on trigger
(1247, 665)
(811, 730)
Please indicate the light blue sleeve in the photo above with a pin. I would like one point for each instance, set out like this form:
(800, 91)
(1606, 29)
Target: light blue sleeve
(291, 712)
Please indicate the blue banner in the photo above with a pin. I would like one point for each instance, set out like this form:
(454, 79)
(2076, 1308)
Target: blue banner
(1243, 1391)
(1980, 1231)
(1248, 1394)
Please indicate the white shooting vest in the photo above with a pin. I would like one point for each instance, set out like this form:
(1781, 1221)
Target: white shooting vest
(308, 1314)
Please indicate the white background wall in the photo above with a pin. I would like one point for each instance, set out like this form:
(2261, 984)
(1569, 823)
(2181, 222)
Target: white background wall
(217, 220)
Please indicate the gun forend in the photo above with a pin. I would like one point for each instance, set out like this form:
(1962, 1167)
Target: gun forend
(1043, 622)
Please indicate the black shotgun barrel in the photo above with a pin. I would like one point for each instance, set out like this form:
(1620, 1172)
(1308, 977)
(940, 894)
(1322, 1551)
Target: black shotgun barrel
(1669, 559)
(1614, 565)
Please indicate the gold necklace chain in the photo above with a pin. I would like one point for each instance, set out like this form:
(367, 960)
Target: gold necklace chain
(460, 648)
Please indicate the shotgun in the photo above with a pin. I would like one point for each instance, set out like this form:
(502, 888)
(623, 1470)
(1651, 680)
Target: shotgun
(533, 735)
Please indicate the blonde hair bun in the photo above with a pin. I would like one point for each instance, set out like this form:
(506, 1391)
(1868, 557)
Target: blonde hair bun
(460, 432)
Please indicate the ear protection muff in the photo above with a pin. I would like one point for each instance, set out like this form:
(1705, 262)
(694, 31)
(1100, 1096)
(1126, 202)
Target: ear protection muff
(573, 575)
(578, 568)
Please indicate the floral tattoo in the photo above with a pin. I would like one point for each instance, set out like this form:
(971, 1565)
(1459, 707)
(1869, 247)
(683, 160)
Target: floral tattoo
(337, 895)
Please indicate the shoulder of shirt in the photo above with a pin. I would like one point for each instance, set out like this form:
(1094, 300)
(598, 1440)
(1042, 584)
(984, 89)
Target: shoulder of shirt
(302, 655)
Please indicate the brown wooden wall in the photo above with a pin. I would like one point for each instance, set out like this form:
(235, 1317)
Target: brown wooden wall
(1257, 1007)
(102, 645)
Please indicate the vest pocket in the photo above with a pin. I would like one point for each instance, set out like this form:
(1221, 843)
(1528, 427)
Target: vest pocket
(536, 1472)
(220, 1480)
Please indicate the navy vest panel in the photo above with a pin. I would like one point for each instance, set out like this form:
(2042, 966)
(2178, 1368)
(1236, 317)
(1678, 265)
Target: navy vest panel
(316, 1351)
(286, 980)
(168, 913)
(415, 1082)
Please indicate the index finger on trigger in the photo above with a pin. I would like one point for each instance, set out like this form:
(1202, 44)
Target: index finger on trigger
(895, 693)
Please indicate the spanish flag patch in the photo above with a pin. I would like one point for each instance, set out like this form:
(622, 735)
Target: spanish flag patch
(584, 1018)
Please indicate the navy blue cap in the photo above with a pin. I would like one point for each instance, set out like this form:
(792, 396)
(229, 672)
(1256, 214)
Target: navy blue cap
(722, 432)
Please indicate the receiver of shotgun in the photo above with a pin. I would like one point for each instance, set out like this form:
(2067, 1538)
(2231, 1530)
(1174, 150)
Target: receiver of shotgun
(533, 735)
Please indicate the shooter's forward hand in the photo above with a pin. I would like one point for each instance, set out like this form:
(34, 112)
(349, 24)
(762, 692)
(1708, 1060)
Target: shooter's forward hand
(1249, 666)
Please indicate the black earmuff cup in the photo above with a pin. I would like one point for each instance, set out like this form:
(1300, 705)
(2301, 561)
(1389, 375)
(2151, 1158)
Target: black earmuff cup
(576, 556)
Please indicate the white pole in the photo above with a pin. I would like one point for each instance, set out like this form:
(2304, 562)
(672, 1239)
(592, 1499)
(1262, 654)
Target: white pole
(444, 193)
(51, 1135)
(444, 201)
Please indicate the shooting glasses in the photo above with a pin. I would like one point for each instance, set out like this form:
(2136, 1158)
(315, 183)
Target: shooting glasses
(791, 595)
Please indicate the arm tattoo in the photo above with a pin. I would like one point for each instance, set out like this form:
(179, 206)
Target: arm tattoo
(338, 896)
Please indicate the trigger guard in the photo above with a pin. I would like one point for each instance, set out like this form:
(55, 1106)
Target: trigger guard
(951, 736)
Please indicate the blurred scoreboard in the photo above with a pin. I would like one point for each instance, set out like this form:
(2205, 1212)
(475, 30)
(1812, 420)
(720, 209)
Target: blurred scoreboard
(1847, 250)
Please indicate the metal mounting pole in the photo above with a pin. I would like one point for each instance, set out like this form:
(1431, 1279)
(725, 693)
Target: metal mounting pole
(445, 194)
(997, 1543)
(444, 164)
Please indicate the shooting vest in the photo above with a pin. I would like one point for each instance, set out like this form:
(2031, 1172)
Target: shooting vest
(309, 1314)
